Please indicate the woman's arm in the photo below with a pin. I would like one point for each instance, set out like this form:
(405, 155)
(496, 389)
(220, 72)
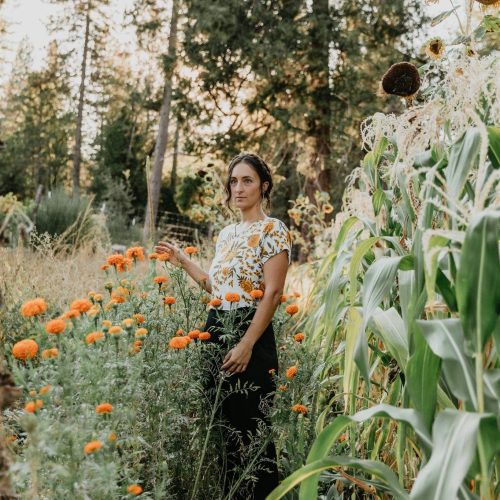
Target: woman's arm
(275, 269)
(178, 259)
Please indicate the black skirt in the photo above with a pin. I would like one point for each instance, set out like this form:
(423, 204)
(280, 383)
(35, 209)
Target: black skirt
(245, 411)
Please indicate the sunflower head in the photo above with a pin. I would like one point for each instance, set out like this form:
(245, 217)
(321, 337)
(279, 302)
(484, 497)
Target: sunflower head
(434, 48)
(401, 79)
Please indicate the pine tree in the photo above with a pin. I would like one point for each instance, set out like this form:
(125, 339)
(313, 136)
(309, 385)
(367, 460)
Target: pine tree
(86, 24)
(36, 126)
(292, 73)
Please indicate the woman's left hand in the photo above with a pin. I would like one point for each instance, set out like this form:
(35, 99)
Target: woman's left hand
(237, 359)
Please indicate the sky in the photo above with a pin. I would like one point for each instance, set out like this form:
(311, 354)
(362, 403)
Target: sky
(28, 18)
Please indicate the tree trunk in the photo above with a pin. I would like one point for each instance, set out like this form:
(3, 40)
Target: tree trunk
(162, 137)
(77, 151)
(173, 175)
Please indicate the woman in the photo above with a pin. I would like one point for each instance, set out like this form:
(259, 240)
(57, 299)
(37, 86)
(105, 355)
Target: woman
(251, 255)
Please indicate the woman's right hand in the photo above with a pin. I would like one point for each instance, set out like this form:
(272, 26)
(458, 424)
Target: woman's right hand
(177, 258)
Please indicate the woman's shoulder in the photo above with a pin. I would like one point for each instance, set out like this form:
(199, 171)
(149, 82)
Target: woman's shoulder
(277, 223)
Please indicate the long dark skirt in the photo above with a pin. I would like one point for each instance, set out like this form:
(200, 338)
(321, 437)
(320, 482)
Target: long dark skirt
(245, 412)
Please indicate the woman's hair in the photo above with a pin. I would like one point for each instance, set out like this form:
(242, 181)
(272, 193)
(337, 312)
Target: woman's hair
(262, 169)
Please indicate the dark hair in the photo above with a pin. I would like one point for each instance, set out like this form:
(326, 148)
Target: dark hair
(262, 169)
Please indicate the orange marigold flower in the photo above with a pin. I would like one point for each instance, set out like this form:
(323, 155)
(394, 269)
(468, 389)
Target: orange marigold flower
(30, 407)
(300, 409)
(72, 313)
(135, 489)
(342, 437)
(118, 299)
(34, 307)
(256, 294)
(135, 253)
(115, 330)
(297, 295)
(160, 279)
(164, 256)
(282, 388)
(194, 334)
(190, 250)
(153, 256)
(141, 332)
(104, 408)
(106, 323)
(98, 297)
(25, 349)
(139, 318)
(93, 311)
(50, 353)
(125, 265)
(45, 389)
(128, 322)
(115, 260)
(92, 446)
(292, 309)
(180, 331)
(81, 305)
(291, 372)
(215, 302)
(204, 336)
(137, 343)
(104, 267)
(169, 300)
(112, 437)
(283, 298)
(32, 393)
(55, 326)
(232, 297)
(299, 337)
(179, 342)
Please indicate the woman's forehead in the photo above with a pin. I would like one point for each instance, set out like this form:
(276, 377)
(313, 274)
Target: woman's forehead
(243, 169)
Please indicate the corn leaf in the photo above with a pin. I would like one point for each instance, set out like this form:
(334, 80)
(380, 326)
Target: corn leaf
(478, 296)
(454, 438)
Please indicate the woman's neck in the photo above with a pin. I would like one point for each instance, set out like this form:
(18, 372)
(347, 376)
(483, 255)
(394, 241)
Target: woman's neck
(248, 217)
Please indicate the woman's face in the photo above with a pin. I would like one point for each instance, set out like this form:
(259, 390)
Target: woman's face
(245, 186)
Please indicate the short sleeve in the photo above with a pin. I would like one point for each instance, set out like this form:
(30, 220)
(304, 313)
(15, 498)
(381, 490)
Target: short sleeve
(276, 238)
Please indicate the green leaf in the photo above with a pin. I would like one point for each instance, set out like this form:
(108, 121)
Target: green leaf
(330, 434)
(370, 467)
(491, 24)
(344, 230)
(391, 329)
(422, 373)
(445, 337)
(494, 146)
(353, 330)
(378, 200)
(463, 157)
(433, 247)
(356, 259)
(379, 279)
(477, 280)
(441, 17)
(454, 438)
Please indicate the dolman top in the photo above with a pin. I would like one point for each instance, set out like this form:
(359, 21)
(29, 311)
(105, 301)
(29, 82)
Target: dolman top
(238, 265)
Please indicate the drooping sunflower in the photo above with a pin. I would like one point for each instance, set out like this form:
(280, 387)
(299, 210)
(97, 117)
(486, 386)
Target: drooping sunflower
(401, 79)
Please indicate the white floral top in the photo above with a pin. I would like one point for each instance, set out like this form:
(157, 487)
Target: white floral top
(238, 265)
